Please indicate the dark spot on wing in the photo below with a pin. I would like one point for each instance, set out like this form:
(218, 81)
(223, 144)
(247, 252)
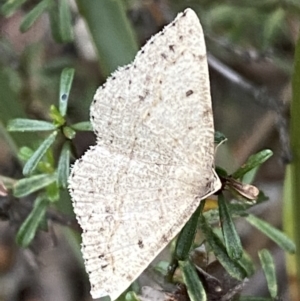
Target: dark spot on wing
(164, 238)
(108, 209)
(171, 47)
(189, 92)
(141, 244)
(104, 266)
(163, 55)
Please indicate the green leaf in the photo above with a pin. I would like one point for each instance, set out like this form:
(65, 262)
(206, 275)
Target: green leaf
(65, 24)
(27, 186)
(58, 119)
(11, 6)
(82, 126)
(131, 296)
(231, 238)
(66, 80)
(32, 163)
(221, 172)
(69, 132)
(294, 221)
(54, 22)
(277, 236)
(234, 268)
(25, 153)
(186, 237)
(247, 263)
(52, 192)
(33, 15)
(29, 227)
(268, 266)
(162, 267)
(194, 286)
(112, 32)
(252, 162)
(63, 168)
(29, 125)
(272, 26)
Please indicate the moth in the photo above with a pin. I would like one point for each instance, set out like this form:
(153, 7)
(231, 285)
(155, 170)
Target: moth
(153, 161)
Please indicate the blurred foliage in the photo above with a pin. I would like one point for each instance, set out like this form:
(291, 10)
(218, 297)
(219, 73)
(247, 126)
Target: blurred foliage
(37, 81)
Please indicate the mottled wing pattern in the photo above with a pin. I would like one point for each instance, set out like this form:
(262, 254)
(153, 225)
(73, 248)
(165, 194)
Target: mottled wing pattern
(153, 161)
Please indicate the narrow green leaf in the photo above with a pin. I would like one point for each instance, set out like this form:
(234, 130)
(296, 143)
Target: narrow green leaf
(27, 186)
(32, 163)
(186, 237)
(277, 236)
(234, 268)
(69, 132)
(52, 192)
(54, 22)
(272, 26)
(112, 32)
(294, 222)
(82, 126)
(25, 153)
(131, 296)
(11, 6)
(29, 125)
(57, 118)
(221, 172)
(252, 162)
(66, 80)
(29, 227)
(231, 238)
(268, 266)
(194, 286)
(162, 267)
(65, 23)
(63, 168)
(34, 14)
(247, 263)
